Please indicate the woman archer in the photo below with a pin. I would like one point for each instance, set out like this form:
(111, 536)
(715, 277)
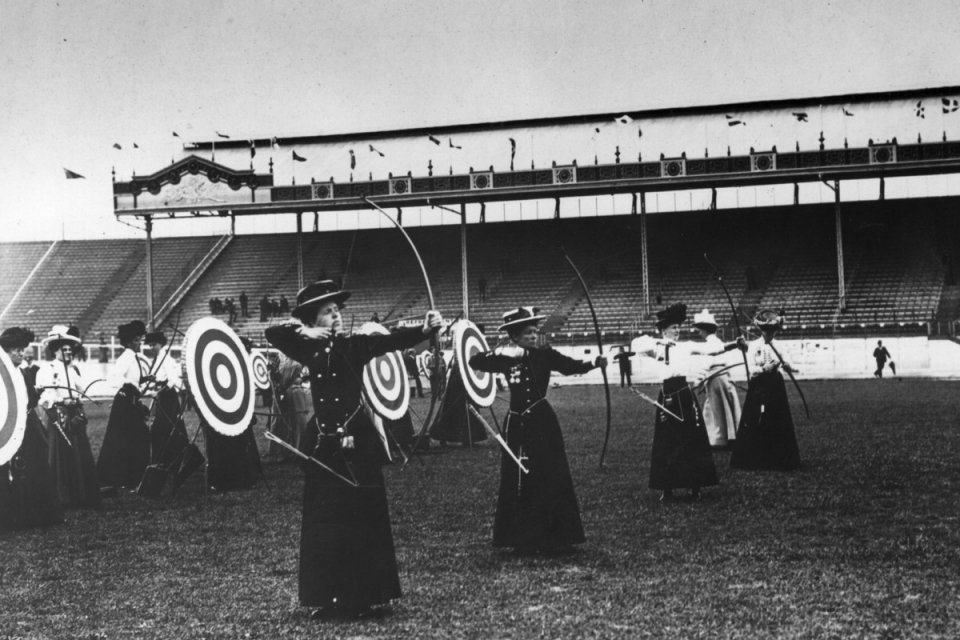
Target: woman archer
(536, 512)
(347, 558)
(766, 438)
(125, 452)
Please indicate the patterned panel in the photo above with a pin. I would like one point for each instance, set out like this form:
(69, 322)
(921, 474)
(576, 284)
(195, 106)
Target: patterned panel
(290, 192)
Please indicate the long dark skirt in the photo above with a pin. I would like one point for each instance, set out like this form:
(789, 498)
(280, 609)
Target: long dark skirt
(233, 462)
(347, 559)
(72, 462)
(766, 438)
(168, 433)
(453, 418)
(28, 490)
(537, 510)
(125, 452)
(681, 456)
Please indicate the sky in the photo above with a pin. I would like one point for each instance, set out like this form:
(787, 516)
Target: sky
(77, 77)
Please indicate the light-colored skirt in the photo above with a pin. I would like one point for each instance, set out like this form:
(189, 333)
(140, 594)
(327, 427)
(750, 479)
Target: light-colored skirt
(721, 410)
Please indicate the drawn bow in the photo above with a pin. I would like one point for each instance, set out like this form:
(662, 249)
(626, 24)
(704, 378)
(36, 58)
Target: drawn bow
(596, 331)
(787, 368)
(733, 309)
(437, 375)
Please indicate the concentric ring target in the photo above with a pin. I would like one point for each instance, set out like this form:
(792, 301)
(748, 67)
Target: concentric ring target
(261, 373)
(468, 341)
(385, 382)
(13, 408)
(220, 376)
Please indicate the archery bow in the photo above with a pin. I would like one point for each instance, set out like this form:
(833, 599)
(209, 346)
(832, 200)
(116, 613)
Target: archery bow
(788, 369)
(596, 331)
(436, 378)
(733, 309)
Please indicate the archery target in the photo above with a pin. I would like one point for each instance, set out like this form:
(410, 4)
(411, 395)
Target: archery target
(261, 373)
(13, 408)
(468, 341)
(220, 376)
(385, 382)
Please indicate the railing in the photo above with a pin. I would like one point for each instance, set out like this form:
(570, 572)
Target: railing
(180, 292)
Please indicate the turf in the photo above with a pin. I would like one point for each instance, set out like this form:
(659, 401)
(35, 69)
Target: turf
(863, 542)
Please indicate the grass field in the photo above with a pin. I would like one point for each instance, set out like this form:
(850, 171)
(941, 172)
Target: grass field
(863, 542)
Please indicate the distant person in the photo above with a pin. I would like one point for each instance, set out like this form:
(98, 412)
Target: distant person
(104, 351)
(410, 362)
(375, 317)
(213, 306)
(482, 286)
(626, 366)
(264, 308)
(284, 305)
(881, 355)
(244, 304)
(274, 308)
(229, 309)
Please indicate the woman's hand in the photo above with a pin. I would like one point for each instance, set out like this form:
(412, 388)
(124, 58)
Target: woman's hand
(432, 322)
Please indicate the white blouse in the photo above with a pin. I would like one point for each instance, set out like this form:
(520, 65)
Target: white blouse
(761, 354)
(666, 358)
(165, 368)
(55, 374)
(129, 368)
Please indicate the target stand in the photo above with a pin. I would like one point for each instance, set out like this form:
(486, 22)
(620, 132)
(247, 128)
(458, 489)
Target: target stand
(223, 381)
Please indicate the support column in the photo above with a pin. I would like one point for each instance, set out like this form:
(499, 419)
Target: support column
(838, 224)
(233, 224)
(149, 228)
(299, 250)
(464, 280)
(643, 252)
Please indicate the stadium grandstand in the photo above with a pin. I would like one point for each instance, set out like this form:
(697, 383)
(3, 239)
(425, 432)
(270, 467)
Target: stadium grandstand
(847, 235)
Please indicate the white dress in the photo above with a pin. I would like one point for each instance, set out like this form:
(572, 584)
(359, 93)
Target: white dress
(721, 406)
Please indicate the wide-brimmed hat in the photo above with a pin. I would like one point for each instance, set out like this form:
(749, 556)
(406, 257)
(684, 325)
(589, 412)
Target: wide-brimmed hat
(318, 293)
(674, 314)
(520, 317)
(16, 338)
(704, 320)
(130, 331)
(155, 337)
(768, 320)
(60, 335)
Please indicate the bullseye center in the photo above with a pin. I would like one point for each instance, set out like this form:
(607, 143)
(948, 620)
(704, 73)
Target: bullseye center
(384, 369)
(223, 375)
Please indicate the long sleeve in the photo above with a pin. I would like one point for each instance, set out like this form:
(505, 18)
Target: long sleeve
(566, 365)
(492, 362)
(127, 370)
(294, 345)
(371, 346)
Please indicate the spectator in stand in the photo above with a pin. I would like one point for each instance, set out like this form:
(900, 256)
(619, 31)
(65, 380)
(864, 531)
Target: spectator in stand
(375, 317)
(264, 308)
(482, 285)
(881, 355)
(231, 310)
(213, 306)
(244, 304)
(410, 362)
(284, 305)
(217, 306)
(274, 308)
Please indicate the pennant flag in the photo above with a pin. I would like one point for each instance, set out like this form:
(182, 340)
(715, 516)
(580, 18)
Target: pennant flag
(596, 129)
(801, 116)
(639, 133)
(297, 157)
(176, 135)
(253, 148)
(453, 146)
(72, 175)
(434, 140)
(375, 150)
(847, 113)
(513, 151)
(116, 145)
(136, 146)
(353, 160)
(733, 123)
(222, 135)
